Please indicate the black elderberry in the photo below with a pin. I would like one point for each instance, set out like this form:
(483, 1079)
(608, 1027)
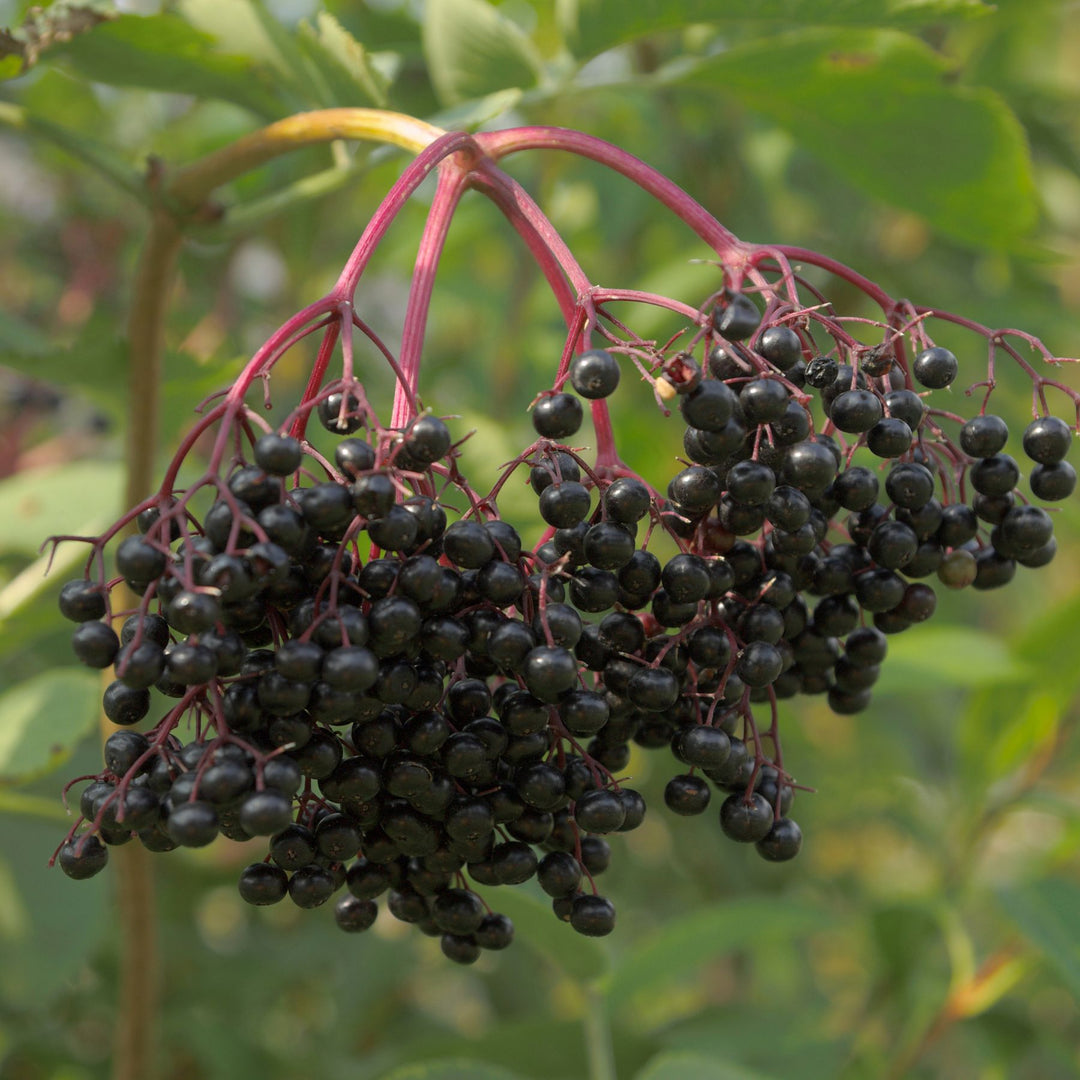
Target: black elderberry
(709, 407)
(95, 644)
(262, 884)
(594, 374)
(782, 842)
(354, 915)
(83, 857)
(780, 345)
(735, 317)
(763, 401)
(856, 411)
(746, 819)
(889, 437)
(759, 664)
(935, 368)
(809, 466)
(82, 601)
(984, 436)
(1053, 482)
(193, 824)
(995, 475)
(1047, 440)
(427, 439)
(557, 416)
(340, 413)
(311, 886)
(592, 916)
(687, 795)
(139, 561)
(695, 489)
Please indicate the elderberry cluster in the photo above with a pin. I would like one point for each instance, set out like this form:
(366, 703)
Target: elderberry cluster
(402, 697)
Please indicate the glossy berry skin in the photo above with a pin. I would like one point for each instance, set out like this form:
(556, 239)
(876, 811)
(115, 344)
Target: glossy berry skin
(82, 601)
(935, 368)
(1047, 440)
(83, 857)
(782, 842)
(311, 886)
(1053, 482)
(855, 411)
(736, 317)
(594, 374)
(746, 820)
(780, 345)
(592, 916)
(278, 455)
(354, 915)
(262, 884)
(687, 795)
(984, 436)
(557, 416)
(95, 644)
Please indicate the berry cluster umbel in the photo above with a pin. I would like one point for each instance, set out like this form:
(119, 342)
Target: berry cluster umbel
(403, 697)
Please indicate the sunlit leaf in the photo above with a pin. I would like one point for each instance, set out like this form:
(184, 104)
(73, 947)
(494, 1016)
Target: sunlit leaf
(591, 26)
(932, 657)
(685, 945)
(43, 718)
(163, 52)
(38, 503)
(21, 47)
(880, 108)
(343, 63)
(472, 50)
(1048, 914)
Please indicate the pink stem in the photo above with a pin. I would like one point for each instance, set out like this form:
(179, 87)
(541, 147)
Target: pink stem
(451, 184)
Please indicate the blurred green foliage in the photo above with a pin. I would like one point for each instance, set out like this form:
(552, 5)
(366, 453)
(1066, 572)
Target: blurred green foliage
(931, 927)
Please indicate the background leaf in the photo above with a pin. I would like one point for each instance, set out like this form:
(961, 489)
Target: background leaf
(1047, 912)
(473, 50)
(685, 945)
(694, 1067)
(163, 52)
(42, 718)
(595, 25)
(878, 107)
(451, 1070)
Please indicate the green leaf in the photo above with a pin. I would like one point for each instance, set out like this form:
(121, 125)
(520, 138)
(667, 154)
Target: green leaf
(20, 337)
(42, 718)
(44, 28)
(685, 945)
(947, 656)
(477, 111)
(881, 109)
(554, 941)
(342, 62)
(1048, 914)
(163, 52)
(50, 924)
(679, 1066)
(451, 1070)
(591, 26)
(38, 503)
(472, 50)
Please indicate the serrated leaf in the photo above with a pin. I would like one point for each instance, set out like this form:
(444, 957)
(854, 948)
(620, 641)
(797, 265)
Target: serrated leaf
(163, 52)
(880, 108)
(685, 945)
(343, 63)
(537, 928)
(42, 718)
(591, 26)
(933, 657)
(38, 503)
(44, 28)
(1048, 914)
(472, 50)
(679, 1066)
(451, 1070)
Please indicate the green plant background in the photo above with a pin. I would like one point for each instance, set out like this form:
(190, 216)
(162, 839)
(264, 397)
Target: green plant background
(931, 927)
